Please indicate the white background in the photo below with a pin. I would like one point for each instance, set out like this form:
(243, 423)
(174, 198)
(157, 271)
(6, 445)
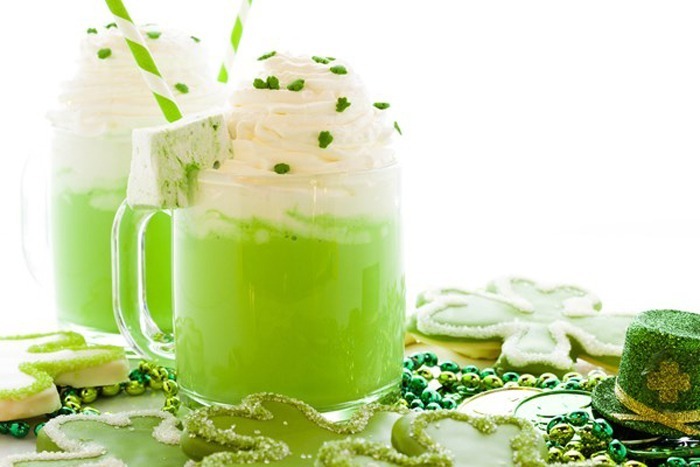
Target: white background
(554, 139)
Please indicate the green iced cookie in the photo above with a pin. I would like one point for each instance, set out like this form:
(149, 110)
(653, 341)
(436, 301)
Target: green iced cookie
(271, 429)
(130, 438)
(31, 365)
(530, 327)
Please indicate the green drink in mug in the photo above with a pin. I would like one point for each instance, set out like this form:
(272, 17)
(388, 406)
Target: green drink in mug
(287, 269)
(90, 159)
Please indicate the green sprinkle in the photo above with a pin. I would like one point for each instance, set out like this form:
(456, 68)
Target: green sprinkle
(281, 168)
(104, 53)
(267, 55)
(92, 31)
(273, 82)
(153, 34)
(342, 104)
(325, 138)
(339, 70)
(382, 105)
(331, 58)
(182, 87)
(196, 39)
(398, 128)
(321, 60)
(297, 85)
(217, 164)
(259, 84)
(111, 25)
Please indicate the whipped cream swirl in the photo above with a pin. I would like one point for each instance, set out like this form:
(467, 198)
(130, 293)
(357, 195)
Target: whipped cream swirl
(110, 95)
(279, 126)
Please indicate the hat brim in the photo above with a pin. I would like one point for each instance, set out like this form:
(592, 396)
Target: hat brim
(606, 403)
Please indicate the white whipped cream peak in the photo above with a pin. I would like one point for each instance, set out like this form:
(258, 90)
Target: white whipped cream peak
(274, 126)
(110, 95)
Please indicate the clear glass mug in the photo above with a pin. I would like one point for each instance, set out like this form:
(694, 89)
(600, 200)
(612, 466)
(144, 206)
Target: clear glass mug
(285, 283)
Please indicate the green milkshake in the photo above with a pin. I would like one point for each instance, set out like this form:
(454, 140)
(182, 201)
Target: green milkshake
(287, 270)
(91, 154)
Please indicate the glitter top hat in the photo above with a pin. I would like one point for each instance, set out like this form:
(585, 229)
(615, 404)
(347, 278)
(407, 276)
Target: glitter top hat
(657, 389)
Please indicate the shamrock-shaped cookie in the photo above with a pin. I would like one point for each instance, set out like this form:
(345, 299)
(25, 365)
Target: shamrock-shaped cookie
(271, 429)
(30, 365)
(445, 438)
(132, 438)
(528, 326)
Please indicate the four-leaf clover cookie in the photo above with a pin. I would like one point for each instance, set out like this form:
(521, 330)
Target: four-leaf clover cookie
(528, 326)
(30, 365)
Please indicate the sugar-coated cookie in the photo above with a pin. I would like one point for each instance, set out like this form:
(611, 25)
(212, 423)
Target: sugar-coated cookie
(148, 437)
(528, 326)
(32, 364)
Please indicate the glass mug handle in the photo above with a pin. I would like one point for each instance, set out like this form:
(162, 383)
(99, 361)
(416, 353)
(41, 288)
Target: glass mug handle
(129, 285)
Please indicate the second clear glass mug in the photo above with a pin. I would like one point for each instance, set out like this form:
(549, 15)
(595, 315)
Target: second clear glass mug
(283, 283)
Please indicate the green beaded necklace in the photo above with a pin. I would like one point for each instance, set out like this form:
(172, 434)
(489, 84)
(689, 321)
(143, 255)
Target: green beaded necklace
(73, 400)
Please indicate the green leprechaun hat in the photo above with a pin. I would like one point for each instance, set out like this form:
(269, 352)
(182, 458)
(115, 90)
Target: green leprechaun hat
(657, 389)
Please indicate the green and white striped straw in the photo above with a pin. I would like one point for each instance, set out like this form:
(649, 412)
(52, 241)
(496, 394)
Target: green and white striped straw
(236, 35)
(144, 59)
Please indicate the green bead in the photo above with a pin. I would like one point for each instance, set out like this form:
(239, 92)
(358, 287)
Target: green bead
(448, 403)
(73, 405)
(572, 374)
(156, 384)
(592, 381)
(447, 378)
(145, 367)
(66, 411)
(111, 390)
(675, 462)
(409, 396)
(409, 364)
(433, 406)
(138, 375)
(602, 460)
(589, 441)
(633, 463)
(527, 380)
(554, 454)
(486, 372)
(159, 373)
(561, 433)
(89, 411)
(578, 417)
(555, 421)
(66, 391)
(572, 455)
(406, 376)
(692, 463)
(134, 388)
(449, 365)
(416, 404)
(173, 402)
(88, 395)
(470, 369)
(19, 429)
(430, 359)
(425, 373)
(574, 445)
(418, 359)
(617, 451)
(601, 429)
(571, 385)
(549, 383)
(597, 374)
(544, 376)
(430, 395)
(491, 382)
(470, 380)
(510, 376)
(4, 428)
(418, 384)
(170, 388)
(38, 427)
